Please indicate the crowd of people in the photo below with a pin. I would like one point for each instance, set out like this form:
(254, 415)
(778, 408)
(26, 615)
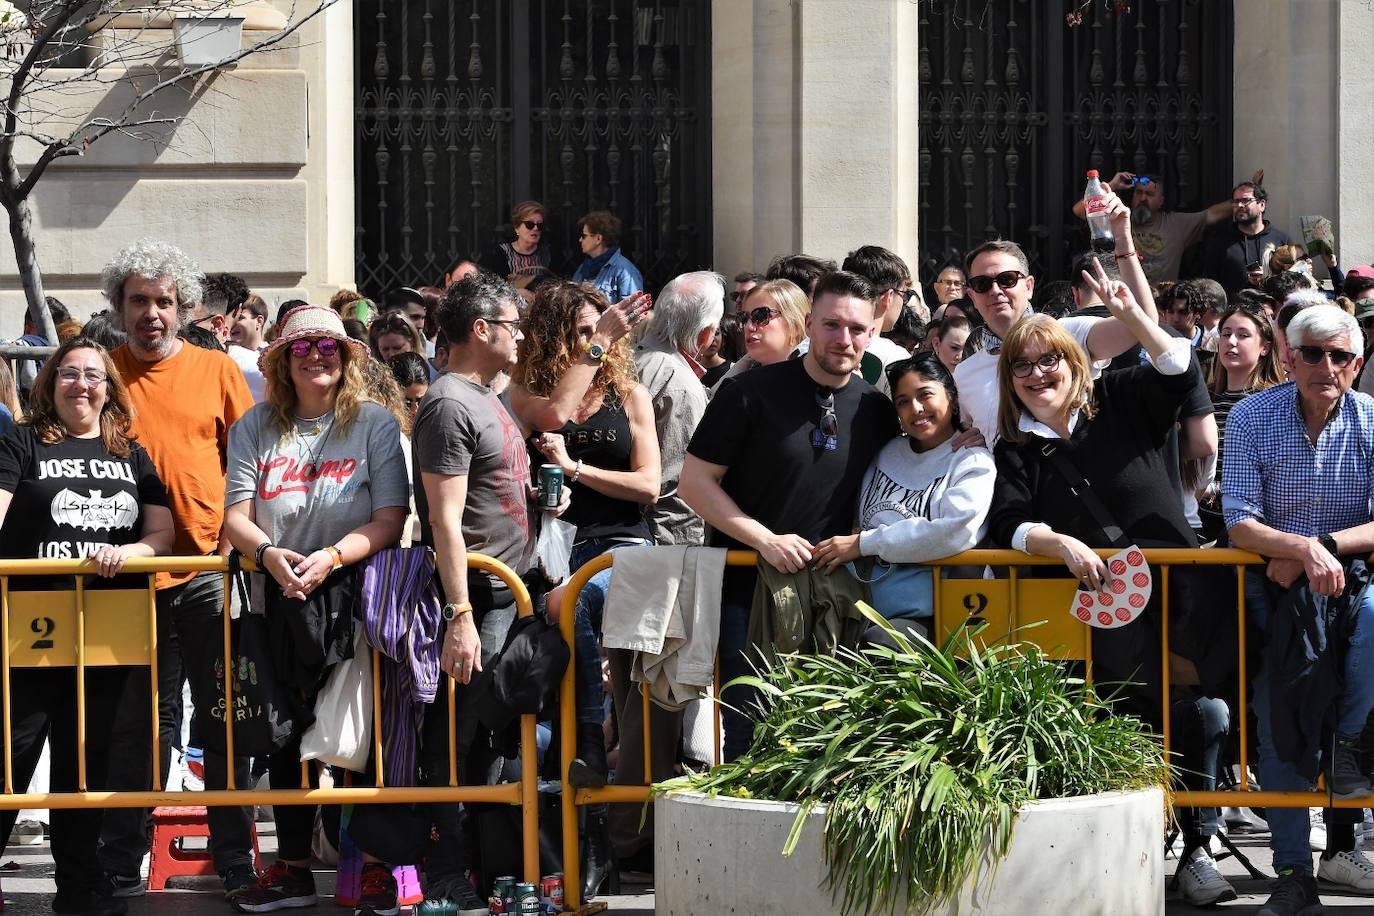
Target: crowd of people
(819, 413)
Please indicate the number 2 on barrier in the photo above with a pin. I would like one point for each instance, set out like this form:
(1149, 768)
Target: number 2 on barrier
(43, 628)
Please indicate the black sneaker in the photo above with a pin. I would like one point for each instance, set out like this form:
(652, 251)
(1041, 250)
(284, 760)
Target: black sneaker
(1347, 779)
(1293, 895)
(237, 879)
(280, 887)
(87, 903)
(125, 885)
(378, 894)
(465, 899)
(453, 896)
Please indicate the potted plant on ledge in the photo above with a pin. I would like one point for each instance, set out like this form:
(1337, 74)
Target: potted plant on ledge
(922, 780)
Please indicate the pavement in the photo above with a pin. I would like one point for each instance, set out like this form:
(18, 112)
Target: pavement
(27, 877)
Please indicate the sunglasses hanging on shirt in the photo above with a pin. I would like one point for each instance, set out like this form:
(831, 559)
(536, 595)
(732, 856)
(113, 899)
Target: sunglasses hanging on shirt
(826, 435)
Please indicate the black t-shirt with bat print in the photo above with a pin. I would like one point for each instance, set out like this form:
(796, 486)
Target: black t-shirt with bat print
(72, 498)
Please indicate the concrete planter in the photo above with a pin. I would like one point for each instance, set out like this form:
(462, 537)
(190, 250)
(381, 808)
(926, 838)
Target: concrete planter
(1097, 854)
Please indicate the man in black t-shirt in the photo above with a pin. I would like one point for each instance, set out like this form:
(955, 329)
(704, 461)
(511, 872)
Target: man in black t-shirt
(777, 460)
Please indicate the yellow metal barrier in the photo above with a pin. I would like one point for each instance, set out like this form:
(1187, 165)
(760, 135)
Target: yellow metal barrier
(88, 628)
(1041, 605)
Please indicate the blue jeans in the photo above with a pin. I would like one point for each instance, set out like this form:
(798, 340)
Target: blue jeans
(1200, 727)
(1289, 827)
(591, 605)
(736, 703)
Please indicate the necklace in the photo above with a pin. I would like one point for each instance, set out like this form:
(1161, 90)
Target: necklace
(314, 453)
(314, 429)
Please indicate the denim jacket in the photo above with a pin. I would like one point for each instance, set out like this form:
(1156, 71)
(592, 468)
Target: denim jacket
(617, 277)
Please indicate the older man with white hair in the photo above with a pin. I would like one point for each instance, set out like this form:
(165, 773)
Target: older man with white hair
(1297, 487)
(683, 322)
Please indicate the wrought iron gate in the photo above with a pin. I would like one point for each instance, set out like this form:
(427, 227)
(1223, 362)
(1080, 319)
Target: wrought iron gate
(1015, 106)
(465, 107)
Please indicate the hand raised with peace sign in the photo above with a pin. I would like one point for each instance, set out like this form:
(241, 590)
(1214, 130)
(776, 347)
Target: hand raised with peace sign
(1115, 294)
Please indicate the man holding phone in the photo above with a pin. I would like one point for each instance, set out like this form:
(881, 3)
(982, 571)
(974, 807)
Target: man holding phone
(1229, 255)
(1162, 236)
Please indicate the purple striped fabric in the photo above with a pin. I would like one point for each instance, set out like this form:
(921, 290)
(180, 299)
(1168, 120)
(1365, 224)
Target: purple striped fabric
(401, 620)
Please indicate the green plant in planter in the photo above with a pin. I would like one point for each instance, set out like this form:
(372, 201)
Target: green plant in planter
(923, 756)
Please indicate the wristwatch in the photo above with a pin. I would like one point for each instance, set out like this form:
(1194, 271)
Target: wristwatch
(1329, 543)
(453, 611)
(596, 352)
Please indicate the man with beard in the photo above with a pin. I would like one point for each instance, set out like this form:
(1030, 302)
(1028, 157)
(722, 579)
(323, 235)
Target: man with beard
(777, 460)
(1162, 236)
(185, 399)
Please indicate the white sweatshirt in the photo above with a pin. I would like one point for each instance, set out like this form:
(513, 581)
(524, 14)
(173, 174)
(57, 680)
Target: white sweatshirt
(914, 507)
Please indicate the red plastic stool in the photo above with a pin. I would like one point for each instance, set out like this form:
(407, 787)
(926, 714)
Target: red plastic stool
(169, 859)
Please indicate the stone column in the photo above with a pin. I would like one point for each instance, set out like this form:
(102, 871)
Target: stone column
(814, 136)
(1354, 104)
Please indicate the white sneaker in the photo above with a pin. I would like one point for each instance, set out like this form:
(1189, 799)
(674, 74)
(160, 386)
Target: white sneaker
(1199, 882)
(26, 833)
(1348, 870)
(1316, 833)
(1242, 820)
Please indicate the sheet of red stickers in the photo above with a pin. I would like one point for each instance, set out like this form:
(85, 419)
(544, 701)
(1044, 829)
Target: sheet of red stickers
(1124, 596)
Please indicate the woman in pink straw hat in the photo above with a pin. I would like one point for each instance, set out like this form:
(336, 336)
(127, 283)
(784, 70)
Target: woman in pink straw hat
(316, 484)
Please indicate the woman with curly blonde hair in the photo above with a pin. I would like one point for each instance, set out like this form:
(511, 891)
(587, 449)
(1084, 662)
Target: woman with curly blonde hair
(605, 443)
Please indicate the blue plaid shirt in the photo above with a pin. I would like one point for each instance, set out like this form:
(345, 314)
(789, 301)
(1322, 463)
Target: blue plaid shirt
(1272, 472)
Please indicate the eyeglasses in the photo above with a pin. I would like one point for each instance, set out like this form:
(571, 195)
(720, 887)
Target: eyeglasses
(906, 294)
(532, 225)
(1313, 356)
(586, 235)
(949, 282)
(826, 435)
(981, 283)
(737, 295)
(1243, 201)
(325, 346)
(759, 317)
(70, 374)
(510, 324)
(1048, 362)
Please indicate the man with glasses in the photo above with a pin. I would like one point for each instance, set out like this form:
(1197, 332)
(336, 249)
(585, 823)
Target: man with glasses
(1000, 285)
(1249, 240)
(472, 493)
(777, 460)
(891, 280)
(1297, 487)
(185, 399)
(949, 285)
(744, 281)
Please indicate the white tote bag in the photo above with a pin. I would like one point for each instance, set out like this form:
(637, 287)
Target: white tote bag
(342, 731)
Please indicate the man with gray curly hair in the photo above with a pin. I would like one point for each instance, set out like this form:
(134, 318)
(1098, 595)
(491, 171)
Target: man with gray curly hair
(153, 272)
(186, 398)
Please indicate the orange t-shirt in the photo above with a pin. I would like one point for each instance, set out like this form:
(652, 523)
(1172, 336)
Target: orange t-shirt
(184, 407)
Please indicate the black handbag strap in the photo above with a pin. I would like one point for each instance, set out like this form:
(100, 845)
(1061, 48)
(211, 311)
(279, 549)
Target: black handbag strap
(1079, 486)
(240, 578)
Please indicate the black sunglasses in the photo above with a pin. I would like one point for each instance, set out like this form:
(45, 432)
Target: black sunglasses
(826, 435)
(906, 294)
(1313, 356)
(981, 283)
(531, 224)
(760, 316)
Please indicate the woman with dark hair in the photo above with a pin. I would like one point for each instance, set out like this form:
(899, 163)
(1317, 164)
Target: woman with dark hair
(921, 499)
(712, 357)
(316, 485)
(605, 267)
(74, 485)
(393, 333)
(411, 372)
(608, 451)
